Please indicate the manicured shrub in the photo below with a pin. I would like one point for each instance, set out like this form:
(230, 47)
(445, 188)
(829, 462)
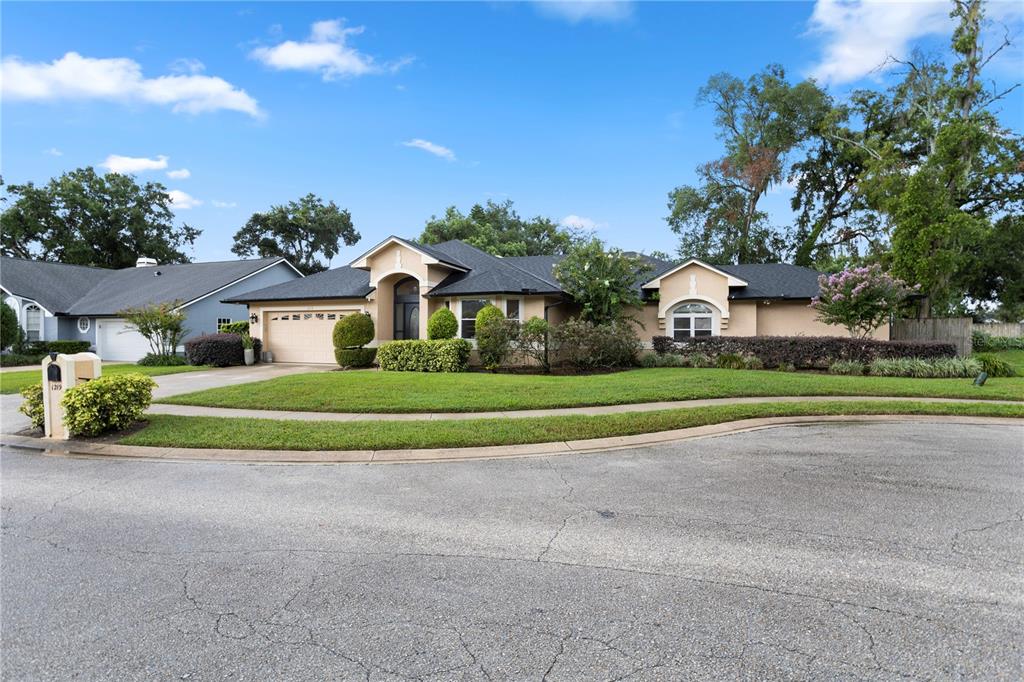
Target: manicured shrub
(9, 329)
(847, 367)
(109, 403)
(730, 361)
(587, 346)
(534, 342)
(355, 357)
(662, 344)
(995, 366)
(154, 360)
(983, 341)
(18, 359)
(218, 350)
(65, 347)
(437, 355)
(442, 325)
(32, 405)
(240, 327)
(353, 331)
(807, 352)
(493, 337)
(926, 368)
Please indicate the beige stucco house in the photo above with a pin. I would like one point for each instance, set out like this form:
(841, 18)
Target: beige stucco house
(400, 283)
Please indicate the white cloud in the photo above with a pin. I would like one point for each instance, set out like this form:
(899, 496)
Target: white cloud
(53, 151)
(325, 51)
(183, 200)
(179, 174)
(859, 36)
(119, 79)
(576, 11)
(578, 222)
(430, 147)
(133, 164)
(187, 65)
(223, 204)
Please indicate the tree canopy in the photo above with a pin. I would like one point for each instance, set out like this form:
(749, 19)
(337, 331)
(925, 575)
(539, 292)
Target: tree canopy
(603, 282)
(307, 232)
(85, 218)
(499, 230)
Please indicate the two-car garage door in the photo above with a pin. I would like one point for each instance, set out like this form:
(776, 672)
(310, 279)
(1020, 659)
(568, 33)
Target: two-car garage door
(300, 336)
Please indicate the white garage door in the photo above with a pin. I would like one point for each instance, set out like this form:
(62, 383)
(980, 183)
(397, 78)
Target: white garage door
(298, 336)
(114, 341)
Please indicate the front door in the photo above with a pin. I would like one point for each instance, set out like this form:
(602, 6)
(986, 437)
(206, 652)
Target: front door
(407, 309)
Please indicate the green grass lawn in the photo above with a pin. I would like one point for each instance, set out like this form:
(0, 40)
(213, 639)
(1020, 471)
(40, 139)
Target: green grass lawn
(271, 434)
(372, 391)
(13, 382)
(1014, 357)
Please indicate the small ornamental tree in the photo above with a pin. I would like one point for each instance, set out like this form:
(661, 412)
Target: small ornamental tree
(442, 325)
(604, 283)
(351, 333)
(161, 324)
(860, 299)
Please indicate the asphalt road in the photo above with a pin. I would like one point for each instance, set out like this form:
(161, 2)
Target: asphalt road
(851, 551)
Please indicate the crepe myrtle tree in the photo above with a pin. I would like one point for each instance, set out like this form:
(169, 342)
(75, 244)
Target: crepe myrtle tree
(860, 299)
(603, 282)
(161, 324)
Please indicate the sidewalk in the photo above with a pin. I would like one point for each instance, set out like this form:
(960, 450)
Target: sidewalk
(197, 411)
(90, 449)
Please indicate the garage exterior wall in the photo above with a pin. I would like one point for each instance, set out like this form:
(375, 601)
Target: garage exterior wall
(202, 316)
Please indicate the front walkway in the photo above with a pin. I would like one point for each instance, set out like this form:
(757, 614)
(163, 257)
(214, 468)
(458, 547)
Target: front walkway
(197, 411)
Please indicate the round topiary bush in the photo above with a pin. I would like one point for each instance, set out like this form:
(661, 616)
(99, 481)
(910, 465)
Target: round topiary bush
(353, 331)
(442, 325)
(355, 357)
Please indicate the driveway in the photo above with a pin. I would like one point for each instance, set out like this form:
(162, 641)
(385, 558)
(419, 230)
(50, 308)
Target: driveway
(857, 551)
(12, 421)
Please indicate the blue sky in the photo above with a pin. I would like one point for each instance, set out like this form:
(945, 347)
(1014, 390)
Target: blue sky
(581, 111)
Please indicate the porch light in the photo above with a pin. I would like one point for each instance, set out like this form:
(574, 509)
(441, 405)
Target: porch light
(253, 319)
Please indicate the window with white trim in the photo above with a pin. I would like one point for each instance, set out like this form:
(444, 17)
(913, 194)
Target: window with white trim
(468, 308)
(513, 306)
(692, 319)
(84, 324)
(33, 323)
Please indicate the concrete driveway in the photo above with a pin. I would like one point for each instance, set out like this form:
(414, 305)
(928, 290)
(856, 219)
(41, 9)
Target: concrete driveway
(12, 421)
(855, 551)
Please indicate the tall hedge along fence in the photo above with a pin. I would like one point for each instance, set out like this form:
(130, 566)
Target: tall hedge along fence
(436, 355)
(219, 350)
(804, 352)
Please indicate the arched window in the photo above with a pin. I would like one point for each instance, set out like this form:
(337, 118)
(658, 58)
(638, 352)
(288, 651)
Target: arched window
(33, 323)
(692, 319)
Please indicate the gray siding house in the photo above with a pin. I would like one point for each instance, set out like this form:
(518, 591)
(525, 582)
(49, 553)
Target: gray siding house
(58, 301)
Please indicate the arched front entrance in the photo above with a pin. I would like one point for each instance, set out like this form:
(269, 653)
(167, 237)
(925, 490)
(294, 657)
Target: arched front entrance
(407, 309)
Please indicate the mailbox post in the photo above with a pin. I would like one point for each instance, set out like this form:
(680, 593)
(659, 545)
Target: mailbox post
(61, 372)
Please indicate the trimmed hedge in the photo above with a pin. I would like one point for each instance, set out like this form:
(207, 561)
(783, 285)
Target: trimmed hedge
(109, 403)
(435, 355)
(154, 360)
(355, 357)
(65, 347)
(218, 350)
(442, 325)
(805, 352)
(16, 359)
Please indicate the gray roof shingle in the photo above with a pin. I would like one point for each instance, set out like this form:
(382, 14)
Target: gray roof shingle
(55, 286)
(773, 281)
(488, 274)
(344, 282)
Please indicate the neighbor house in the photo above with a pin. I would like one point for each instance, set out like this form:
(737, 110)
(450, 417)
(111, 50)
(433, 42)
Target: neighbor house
(58, 301)
(400, 283)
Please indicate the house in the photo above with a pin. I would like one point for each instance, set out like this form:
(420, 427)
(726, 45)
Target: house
(58, 301)
(400, 283)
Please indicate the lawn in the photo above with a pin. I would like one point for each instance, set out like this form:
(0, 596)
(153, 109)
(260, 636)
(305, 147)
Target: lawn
(1014, 357)
(272, 434)
(13, 382)
(372, 391)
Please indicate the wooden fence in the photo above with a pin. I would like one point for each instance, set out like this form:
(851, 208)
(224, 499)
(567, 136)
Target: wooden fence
(1001, 329)
(955, 330)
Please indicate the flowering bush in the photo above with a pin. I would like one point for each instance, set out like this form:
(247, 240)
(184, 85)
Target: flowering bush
(860, 299)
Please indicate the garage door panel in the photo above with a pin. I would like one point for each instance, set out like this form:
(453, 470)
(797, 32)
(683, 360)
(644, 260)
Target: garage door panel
(115, 341)
(302, 336)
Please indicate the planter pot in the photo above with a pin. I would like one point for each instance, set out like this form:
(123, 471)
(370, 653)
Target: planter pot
(250, 356)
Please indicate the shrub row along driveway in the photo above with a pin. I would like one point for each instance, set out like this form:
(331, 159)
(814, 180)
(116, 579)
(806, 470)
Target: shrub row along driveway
(373, 391)
(797, 552)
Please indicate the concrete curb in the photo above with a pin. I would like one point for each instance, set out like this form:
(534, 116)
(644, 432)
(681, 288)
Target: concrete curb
(595, 410)
(85, 449)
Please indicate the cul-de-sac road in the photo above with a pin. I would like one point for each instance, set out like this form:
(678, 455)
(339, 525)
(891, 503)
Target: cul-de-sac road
(877, 551)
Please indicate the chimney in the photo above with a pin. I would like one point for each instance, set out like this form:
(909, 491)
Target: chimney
(144, 262)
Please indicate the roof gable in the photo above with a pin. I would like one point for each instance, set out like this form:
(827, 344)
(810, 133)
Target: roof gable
(431, 255)
(655, 282)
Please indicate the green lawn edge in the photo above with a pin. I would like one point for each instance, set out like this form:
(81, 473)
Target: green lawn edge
(13, 382)
(369, 391)
(272, 434)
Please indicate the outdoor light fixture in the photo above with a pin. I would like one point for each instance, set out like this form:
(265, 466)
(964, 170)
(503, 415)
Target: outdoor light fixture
(253, 319)
(981, 379)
